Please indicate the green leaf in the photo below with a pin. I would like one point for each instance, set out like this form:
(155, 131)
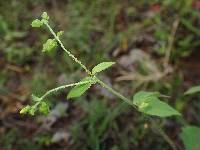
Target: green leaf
(25, 109)
(190, 136)
(45, 16)
(44, 108)
(143, 96)
(36, 23)
(193, 90)
(149, 103)
(102, 66)
(156, 107)
(35, 98)
(188, 24)
(78, 90)
(49, 45)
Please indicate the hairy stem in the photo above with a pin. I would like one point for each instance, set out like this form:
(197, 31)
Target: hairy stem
(115, 92)
(128, 101)
(68, 52)
(63, 87)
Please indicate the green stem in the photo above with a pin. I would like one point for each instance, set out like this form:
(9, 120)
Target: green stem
(115, 92)
(128, 101)
(85, 68)
(63, 87)
(159, 129)
(68, 52)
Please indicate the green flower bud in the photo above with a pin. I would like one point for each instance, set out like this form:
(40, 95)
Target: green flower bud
(25, 109)
(36, 23)
(44, 108)
(49, 45)
(45, 16)
(60, 33)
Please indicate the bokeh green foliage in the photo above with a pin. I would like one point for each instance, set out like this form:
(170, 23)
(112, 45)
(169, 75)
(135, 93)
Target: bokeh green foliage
(84, 21)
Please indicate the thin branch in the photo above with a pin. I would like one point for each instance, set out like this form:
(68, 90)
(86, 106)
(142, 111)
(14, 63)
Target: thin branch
(68, 52)
(115, 93)
(128, 101)
(63, 87)
(171, 42)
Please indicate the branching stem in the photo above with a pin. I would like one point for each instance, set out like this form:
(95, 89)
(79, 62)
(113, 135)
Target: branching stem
(115, 93)
(63, 87)
(68, 52)
(128, 101)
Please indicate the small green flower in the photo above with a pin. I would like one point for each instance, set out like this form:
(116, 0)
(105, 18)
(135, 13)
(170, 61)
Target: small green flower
(44, 108)
(49, 45)
(60, 33)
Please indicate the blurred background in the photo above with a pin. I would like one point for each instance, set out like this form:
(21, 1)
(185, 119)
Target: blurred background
(156, 47)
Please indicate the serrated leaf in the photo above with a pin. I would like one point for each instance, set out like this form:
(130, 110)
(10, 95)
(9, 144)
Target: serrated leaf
(102, 66)
(49, 45)
(149, 103)
(44, 108)
(78, 90)
(36, 23)
(193, 90)
(190, 136)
